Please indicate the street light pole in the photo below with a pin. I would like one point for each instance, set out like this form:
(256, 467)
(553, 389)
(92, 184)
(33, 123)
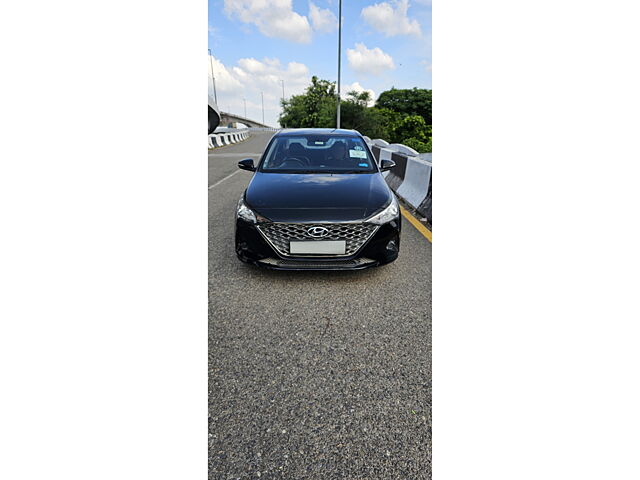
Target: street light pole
(282, 98)
(211, 72)
(339, 51)
(213, 78)
(245, 107)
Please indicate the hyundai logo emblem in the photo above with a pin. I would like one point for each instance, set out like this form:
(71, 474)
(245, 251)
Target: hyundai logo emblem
(317, 232)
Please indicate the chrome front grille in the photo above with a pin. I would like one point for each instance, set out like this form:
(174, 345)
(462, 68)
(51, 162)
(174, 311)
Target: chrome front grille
(354, 234)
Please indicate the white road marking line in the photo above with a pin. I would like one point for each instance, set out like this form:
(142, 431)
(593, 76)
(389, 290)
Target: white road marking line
(220, 181)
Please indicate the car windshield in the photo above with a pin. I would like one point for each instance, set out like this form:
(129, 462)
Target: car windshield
(317, 154)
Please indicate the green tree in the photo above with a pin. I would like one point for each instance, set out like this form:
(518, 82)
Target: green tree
(415, 101)
(293, 112)
(313, 109)
(359, 98)
(388, 120)
(377, 124)
(398, 117)
(412, 126)
(355, 115)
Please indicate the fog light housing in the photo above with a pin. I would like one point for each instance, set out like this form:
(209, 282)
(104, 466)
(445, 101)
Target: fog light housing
(392, 246)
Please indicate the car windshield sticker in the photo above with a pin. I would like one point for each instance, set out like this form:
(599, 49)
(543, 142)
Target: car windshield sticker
(357, 154)
(363, 164)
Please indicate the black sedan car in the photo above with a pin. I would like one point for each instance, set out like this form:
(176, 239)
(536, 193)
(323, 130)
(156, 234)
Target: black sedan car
(317, 201)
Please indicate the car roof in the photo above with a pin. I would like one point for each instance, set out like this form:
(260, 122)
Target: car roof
(338, 132)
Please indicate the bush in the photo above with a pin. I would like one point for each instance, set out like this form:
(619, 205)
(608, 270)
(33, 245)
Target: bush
(418, 145)
(411, 126)
(415, 101)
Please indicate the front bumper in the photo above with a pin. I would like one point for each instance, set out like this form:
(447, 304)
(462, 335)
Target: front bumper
(382, 248)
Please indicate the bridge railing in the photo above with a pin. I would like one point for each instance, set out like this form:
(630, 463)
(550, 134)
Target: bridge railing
(227, 138)
(264, 129)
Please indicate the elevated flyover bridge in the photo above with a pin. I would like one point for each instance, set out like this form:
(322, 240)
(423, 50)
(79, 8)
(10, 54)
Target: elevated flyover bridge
(217, 118)
(229, 119)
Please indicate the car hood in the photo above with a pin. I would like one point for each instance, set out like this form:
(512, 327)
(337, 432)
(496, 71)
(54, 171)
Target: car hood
(287, 197)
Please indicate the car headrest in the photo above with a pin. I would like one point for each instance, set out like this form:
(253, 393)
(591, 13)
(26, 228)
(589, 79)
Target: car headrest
(296, 149)
(337, 146)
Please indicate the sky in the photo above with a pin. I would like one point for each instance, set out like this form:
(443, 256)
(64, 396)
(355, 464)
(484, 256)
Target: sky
(257, 44)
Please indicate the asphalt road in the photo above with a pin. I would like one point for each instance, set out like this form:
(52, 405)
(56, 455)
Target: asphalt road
(314, 375)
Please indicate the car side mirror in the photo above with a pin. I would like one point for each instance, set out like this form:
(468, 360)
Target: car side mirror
(387, 165)
(247, 165)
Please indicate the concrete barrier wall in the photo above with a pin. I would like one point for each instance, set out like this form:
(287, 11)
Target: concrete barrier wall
(227, 136)
(411, 177)
(222, 139)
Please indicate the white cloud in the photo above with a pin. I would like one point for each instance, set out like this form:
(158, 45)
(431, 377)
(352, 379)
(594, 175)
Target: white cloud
(391, 21)
(226, 81)
(323, 20)
(355, 86)
(274, 18)
(251, 77)
(369, 61)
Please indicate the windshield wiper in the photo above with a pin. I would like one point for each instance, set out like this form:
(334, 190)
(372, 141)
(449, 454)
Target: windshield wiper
(326, 172)
(305, 171)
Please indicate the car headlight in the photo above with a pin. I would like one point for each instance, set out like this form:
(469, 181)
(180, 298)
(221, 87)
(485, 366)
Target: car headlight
(386, 215)
(245, 212)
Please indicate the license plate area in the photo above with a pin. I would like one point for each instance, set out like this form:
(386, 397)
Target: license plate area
(319, 247)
